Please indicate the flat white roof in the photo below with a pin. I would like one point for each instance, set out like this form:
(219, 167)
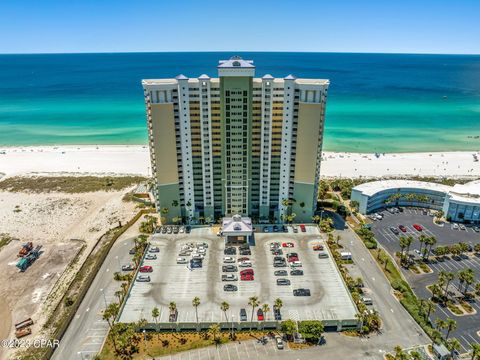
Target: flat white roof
(469, 192)
(371, 188)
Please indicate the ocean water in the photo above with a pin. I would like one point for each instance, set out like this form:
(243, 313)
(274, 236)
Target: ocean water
(377, 102)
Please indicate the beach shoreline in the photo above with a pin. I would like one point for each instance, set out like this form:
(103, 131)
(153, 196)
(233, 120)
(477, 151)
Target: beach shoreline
(135, 160)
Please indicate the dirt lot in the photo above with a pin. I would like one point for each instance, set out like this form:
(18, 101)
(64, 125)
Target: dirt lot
(62, 224)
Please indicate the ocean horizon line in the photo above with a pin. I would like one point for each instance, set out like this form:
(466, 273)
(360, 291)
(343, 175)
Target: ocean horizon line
(242, 51)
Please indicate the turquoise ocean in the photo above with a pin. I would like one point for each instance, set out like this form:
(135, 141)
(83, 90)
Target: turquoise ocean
(376, 103)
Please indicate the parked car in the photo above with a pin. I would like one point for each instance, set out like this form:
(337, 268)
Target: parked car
(301, 292)
(244, 264)
(378, 216)
(260, 316)
(146, 268)
(277, 314)
(228, 260)
(323, 255)
(132, 251)
(247, 277)
(394, 230)
(302, 228)
(247, 271)
(243, 315)
(417, 227)
(367, 301)
(229, 268)
(476, 229)
(317, 247)
(181, 230)
(245, 252)
(296, 272)
(175, 230)
(230, 287)
(143, 278)
(296, 264)
(288, 244)
(284, 229)
(153, 249)
(281, 273)
(266, 229)
(198, 256)
(150, 257)
(402, 228)
(230, 251)
(201, 244)
(277, 252)
(243, 259)
(275, 228)
(188, 229)
(279, 342)
(195, 264)
(455, 226)
(462, 227)
(128, 267)
(280, 263)
(164, 229)
(181, 260)
(283, 282)
(274, 245)
(295, 229)
(229, 277)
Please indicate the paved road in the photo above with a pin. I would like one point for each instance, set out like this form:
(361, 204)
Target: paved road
(86, 333)
(399, 328)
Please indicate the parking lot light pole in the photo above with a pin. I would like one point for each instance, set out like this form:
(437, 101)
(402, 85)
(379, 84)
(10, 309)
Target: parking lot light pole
(233, 317)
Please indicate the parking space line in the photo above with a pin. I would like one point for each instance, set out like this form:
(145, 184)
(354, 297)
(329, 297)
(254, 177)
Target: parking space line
(474, 340)
(466, 349)
(246, 350)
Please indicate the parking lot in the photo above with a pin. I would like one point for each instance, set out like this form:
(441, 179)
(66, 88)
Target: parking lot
(329, 299)
(467, 326)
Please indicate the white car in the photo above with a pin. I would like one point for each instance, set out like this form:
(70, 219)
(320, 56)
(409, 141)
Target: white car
(245, 264)
(181, 230)
(154, 249)
(455, 226)
(201, 251)
(197, 256)
(228, 260)
(295, 264)
(462, 227)
(279, 342)
(202, 244)
(378, 216)
(181, 260)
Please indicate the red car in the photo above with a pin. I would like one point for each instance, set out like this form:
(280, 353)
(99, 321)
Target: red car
(260, 315)
(402, 228)
(288, 245)
(302, 228)
(247, 277)
(246, 272)
(418, 227)
(146, 268)
(317, 247)
(292, 258)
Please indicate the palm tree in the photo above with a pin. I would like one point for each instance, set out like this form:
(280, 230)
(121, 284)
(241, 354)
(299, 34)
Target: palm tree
(400, 354)
(409, 241)
(172, 306)
(432, 240)
(475, 351)
(196, 304)
(403, 244)
(423, 240)
(436, 291)
(265, 309)
(214, 330)
(452, 345)
(469, 278)
(451, 325)
(155, 315)
(253, 302)
(441, 324)
(430, 307)
(278, 304)
(448, 278)
(109, 314)
(224, 306)
(436, 336)
(119, 295)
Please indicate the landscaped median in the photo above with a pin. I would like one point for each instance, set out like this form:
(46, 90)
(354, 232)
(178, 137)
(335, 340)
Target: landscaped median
(402, 290)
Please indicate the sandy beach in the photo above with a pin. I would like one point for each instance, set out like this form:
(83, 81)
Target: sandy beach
(134, 159)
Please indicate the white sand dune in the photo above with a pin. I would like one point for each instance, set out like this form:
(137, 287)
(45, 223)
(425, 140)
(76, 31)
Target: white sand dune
(134, 159)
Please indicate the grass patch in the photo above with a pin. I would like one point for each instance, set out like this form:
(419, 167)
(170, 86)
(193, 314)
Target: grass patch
(468, 308)
(68, 184)
(425, 268)
(4, 240)
(162, 344)
(454, 308)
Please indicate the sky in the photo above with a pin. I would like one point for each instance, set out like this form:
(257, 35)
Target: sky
(387, 26)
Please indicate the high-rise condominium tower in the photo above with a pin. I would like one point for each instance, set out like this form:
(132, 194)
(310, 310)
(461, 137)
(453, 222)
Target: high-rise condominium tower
(235, 144)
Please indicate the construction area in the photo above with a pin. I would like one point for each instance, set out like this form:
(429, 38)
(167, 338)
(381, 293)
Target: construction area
(46, 237)
(174, 280)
